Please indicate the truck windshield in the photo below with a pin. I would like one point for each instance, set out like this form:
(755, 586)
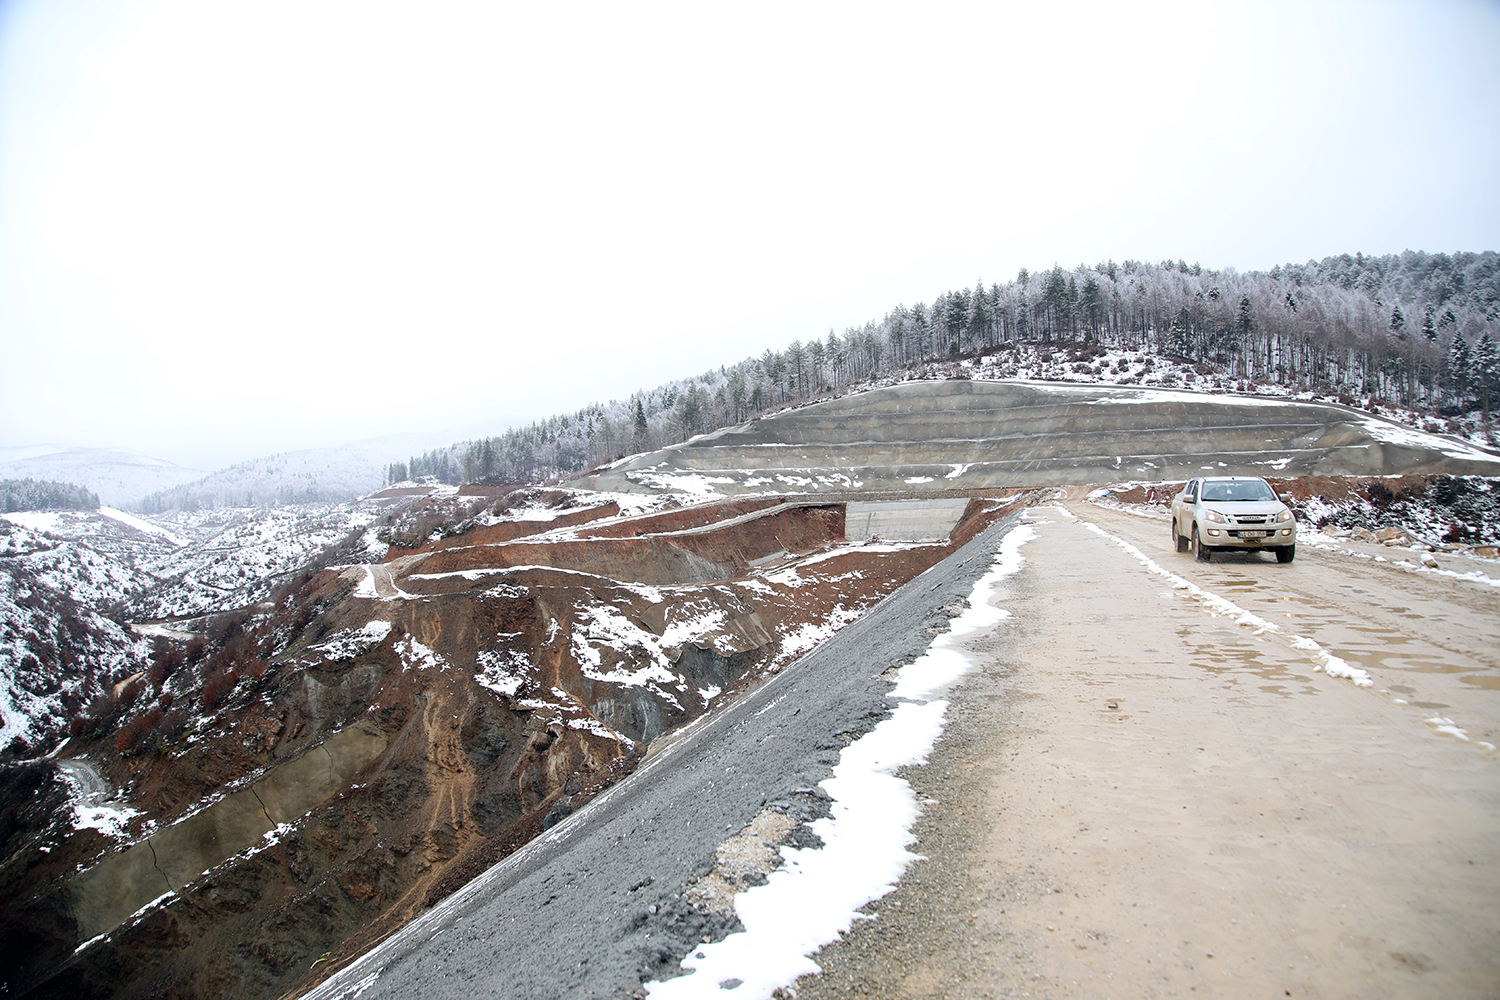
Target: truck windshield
(1250, 489)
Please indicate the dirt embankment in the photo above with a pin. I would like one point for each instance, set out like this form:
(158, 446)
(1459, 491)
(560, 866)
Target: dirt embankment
(503, 702)
(657, 558)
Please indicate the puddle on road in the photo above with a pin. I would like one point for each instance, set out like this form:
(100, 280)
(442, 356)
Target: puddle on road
(1220, 651)
(1369, 647)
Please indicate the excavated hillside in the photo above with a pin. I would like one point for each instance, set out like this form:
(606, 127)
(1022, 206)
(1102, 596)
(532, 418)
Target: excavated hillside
(299, 779)
(971, 434)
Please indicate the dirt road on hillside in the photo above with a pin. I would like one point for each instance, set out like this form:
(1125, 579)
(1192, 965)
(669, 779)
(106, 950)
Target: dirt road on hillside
(1137, 796)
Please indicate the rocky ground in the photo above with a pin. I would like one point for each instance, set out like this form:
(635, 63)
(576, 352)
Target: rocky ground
(295, 780)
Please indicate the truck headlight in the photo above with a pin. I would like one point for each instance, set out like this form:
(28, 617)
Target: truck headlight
(1285, 515)
(1214, 516)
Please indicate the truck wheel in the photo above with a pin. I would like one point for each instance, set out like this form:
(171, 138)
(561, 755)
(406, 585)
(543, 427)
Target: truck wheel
(1286, 553)
(1203, 552)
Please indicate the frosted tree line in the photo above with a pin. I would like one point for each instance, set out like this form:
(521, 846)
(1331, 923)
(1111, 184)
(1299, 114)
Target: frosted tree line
(1413, 330)
(44, 494)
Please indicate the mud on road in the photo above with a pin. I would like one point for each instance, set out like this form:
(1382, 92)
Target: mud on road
(1136, 796)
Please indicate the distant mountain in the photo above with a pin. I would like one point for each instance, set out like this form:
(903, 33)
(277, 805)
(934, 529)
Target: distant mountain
(314, 475)
(120, 478)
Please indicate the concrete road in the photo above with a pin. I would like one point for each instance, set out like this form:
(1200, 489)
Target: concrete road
(1143, 793)
(593, 907)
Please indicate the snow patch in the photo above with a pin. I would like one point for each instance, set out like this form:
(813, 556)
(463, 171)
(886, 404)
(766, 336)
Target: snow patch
(503, 671)
(415, 656)
(112, 819)
(814, 898)
(35, 520)
(810, 635)
(348, 643)
(1447, 728)
(141, 524)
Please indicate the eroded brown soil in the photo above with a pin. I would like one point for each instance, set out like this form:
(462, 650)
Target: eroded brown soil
(509, 683)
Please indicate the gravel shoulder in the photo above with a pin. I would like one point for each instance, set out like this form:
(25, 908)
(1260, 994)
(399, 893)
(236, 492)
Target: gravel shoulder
(1136, 796)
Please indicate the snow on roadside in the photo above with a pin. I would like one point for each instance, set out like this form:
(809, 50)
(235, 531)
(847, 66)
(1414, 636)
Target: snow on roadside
(130, 920)
(1382, 430)
(366, 588)
(693, 484)
(1326, 661)
(110, 819)
(815, 897)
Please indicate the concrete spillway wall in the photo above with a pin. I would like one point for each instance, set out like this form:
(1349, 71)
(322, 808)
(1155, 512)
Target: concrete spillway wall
(902, 520)
(108, 893)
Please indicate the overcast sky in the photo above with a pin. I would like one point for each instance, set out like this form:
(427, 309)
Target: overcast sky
(228, 229)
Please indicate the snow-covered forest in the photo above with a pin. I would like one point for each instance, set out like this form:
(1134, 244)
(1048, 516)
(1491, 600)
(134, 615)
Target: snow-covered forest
(316, 475)
(31, 494)
(1414, 331)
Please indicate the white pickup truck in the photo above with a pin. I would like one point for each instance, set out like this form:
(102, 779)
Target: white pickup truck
(1222, 513)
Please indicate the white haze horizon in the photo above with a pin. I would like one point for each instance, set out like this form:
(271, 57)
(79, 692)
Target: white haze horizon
(229, 231)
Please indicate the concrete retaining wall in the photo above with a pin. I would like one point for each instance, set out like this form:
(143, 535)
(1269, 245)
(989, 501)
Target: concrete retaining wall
(902, 520)
(105, 895)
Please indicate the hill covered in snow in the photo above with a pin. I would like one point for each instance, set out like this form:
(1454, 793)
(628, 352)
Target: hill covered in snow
(120, 478)
(314, 475)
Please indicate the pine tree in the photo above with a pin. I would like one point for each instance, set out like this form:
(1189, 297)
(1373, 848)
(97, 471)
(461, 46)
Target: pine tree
(1486, 372)
(1245, 324)
(1092, 308)
(977, 322)
(955, 311)
(1458, 370)
(640, 425)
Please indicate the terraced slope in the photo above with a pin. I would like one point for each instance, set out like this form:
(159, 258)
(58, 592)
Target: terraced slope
(965, 435)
